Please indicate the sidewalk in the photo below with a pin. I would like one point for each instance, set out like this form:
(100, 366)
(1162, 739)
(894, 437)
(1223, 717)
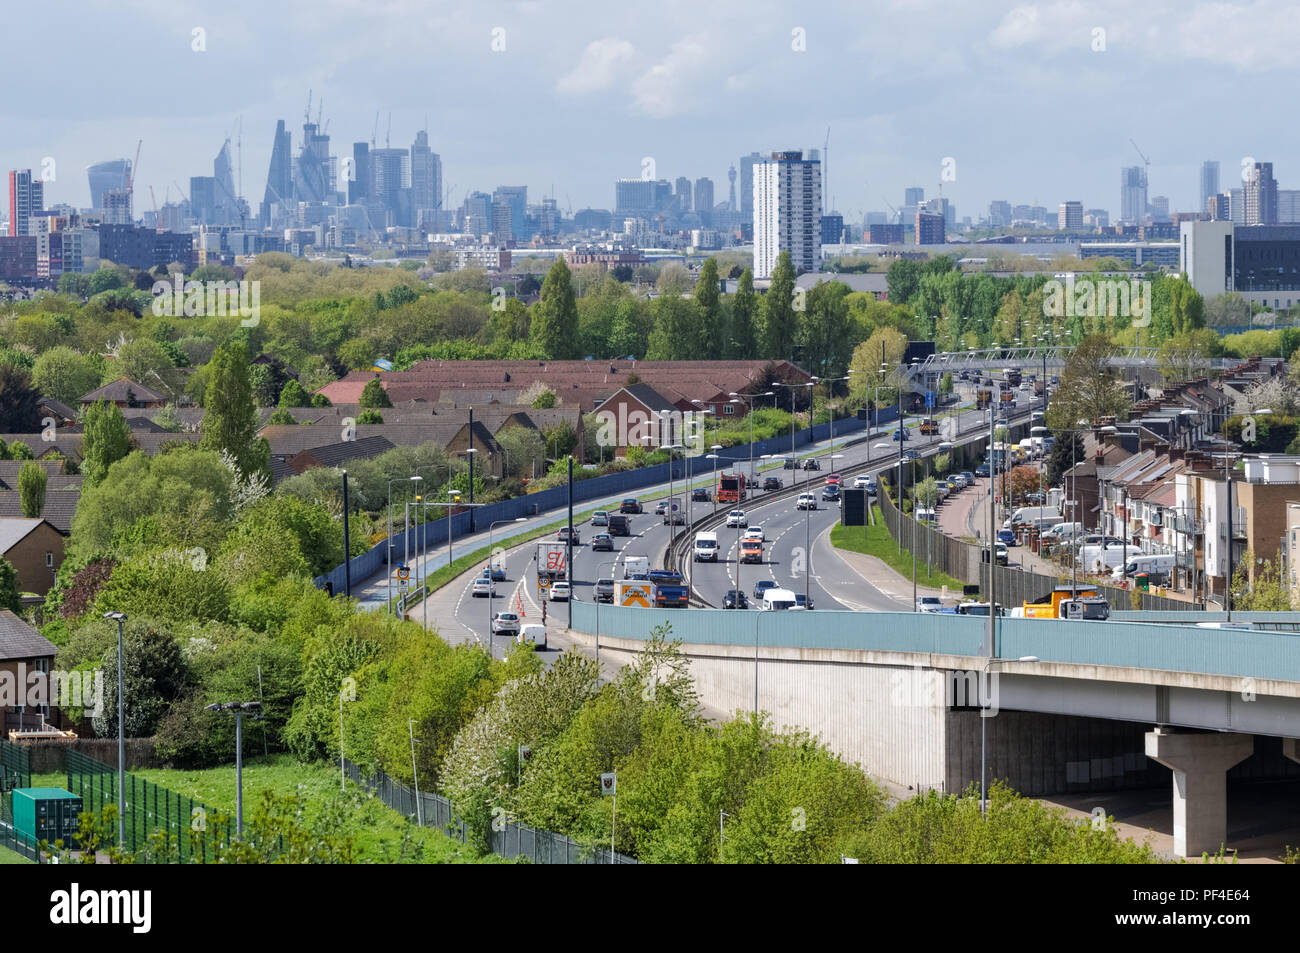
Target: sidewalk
(878, 573)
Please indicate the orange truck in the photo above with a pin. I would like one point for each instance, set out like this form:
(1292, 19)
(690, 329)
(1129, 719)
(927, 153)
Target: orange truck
(751, 550)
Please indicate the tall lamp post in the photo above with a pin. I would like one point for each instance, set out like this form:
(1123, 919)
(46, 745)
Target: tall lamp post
(120, 618)
(389, 541)
(830, 383)
(491, 583)
(984, 714)
(811, 383)
(749, 412)
(239, 709)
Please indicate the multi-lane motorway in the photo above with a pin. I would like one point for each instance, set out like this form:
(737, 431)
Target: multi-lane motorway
(797, 554)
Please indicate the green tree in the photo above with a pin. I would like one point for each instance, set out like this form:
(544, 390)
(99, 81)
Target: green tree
(31, 489)
(370, 416)
(153, 675)
(554, 326)
(780, 323)
(106, 279)
(106, 439)
(886, 346)
(903, 279)
(19, 401)
(708, 300)
(1089, 387)
(9, 587)
(373, 394)
(744, 313)
(230, 419)
(64, 375)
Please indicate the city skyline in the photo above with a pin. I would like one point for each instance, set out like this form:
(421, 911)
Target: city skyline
(695, 100)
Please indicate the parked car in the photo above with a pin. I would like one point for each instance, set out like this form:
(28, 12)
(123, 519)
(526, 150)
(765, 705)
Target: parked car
(602, 543)
(806, 502)
(533, 634)
(603, 591)
(630, 505)
(761, 587)
(982, 470)
(559, 592)
(959, 481)
(969, 477)
(737, 518)
(1007, 536)
(483, 587)
(505, 623)
(600, 518)
(812, 464)
(735, 599)
(772, 483)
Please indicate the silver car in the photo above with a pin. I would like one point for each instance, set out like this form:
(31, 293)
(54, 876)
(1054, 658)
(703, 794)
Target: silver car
(505, 623)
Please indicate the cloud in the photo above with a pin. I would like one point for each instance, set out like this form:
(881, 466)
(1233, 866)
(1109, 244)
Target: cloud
(664, 89)
(598, 67)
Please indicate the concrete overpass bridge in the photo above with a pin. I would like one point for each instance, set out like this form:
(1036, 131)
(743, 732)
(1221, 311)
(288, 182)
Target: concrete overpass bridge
(1033, 359)
(1065, 706)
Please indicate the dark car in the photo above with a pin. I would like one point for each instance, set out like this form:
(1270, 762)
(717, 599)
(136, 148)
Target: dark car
(790, 464)
(630, 505)
(700, 496)
(563, 535)
(831, 492)
(1006, 536)
(602, 542)
(735, 599)
(772, 483)
(803, 601)
(812, 464)
(982, 470)
(903, 432)
(761, 587)
(619, 525)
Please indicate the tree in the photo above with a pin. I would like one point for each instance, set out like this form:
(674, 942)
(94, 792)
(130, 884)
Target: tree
(677, 334)
(554, 326)
(19, 401)
(230, 420)
(744, 310)
(153, 675)
(886, 346)
(1186, 356)
(373, 394)
(708, 301)
(1268, 592)
(64, 375)
(903, 279)
(294, 394)
(1025, 480)
(370, 416)
(926, 492)
(524, 448)
(147, 361)
(9, 587)
(1089, 388)
(106, 439)
(1067, 450)
(31, 489)
(106, 279)
(780, 323)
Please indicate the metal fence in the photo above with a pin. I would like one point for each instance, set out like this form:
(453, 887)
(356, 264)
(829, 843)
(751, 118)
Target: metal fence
(433, 534)
(508, 838)
(189, 828)
(967, 562)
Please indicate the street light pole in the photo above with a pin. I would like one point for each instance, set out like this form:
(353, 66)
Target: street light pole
(419, 806)
(491, 582)
(120, 618)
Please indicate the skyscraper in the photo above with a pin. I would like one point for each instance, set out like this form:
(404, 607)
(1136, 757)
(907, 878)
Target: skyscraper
(1070, 215)
(359, 187)
(1209, 181)
(633, 196)
(747, 164)
(279, 177)
(787, 203)
(112, 174)
(1261, 195)
(426, 180)
(999, 213)
(311, 173)
(26, 198)
(390, 172)
(703, 195)
(683, 195)
(913, 196)
(203, 199)
(516, 197)
(228, 211)
(1132, 194)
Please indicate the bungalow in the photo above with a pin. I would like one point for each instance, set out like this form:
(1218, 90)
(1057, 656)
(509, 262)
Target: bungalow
(124, 393)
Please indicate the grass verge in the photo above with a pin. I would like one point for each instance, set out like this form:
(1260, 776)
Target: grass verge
(876, 541)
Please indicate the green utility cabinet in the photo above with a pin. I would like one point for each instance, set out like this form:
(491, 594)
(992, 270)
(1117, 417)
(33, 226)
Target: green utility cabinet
(47, 814)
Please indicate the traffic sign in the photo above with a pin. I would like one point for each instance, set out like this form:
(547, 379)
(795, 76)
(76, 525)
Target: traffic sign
(403, 572)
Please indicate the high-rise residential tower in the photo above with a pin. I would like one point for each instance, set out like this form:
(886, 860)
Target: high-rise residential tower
(26, 198)
(1261, 195)
(1209, 181)
(1132, 194)
(787, 204)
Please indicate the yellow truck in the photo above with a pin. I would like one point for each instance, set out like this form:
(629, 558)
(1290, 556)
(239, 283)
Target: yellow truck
(1070, 602)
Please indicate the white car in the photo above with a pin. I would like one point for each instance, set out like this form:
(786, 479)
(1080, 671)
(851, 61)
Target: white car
(737, 518)
(806, 502)
(483, 587)
(860, 482)
(929, 604)
(559, 592)
(505, 623)
(755, 532)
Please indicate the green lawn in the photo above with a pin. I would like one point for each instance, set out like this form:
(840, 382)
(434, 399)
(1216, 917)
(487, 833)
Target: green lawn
(876, 541)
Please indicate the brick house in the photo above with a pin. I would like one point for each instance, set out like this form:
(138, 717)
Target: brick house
(23, 651)
(35, 549)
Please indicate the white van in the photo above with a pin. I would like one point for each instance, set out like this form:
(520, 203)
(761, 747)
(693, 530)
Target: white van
(706, 547)
(1029, 514)
(779, 599)
(534, 634)
(1096, 559)
(1158, 565)
(1064, 532)
(925, 514)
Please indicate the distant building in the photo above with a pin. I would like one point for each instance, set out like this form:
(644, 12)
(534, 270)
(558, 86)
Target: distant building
(930, 229)
(1209, 180)
(832, 229)
(103, 176)
(26, 198)
(787, 212)
(487, 257)
(747, 165)
(1069, 215)
(1219, 208)
(1096, 218)
(999, 213)
(703, 198)
(593, 219)
(1252, 261)
(1160, 208)
(1132, 194)
(683, 194)
(1136, 254)
(634, 196)
(1261, 195)
(885, 233)
(426, 181)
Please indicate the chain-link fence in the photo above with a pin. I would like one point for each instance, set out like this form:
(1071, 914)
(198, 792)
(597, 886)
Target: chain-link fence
(508, 838)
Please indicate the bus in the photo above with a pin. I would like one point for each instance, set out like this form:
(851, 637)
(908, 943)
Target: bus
(731, 487)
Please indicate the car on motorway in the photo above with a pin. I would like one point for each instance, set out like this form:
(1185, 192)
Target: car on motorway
(603, 590)
(564, 533)
(602, 543)
(831, 493)
(706, 547)
(790, 463)
(735, 599)
(929, 604)
(661, 508)
(761, 587)
(737, 518)
(505, 623)
(835, 479)
(1007, 536)
(700, 495)
(812, 463)
(619, 525)
(755, 532)
(803, 602)
(534, 634)
(496, 571)
(900, 433)
(982, 470)
(911, 454)
(979, 608)
(559, 592)
(806, 502)
(860, 482)
(772, 483)
(483, 587)
(631, 505)
(677, 516)
(600, 518)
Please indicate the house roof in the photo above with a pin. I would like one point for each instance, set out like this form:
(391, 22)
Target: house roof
(334, 454)
(14, 530)
(18, 640)
(63, 410)
(119, 389)
(62, 493)
(650, 398)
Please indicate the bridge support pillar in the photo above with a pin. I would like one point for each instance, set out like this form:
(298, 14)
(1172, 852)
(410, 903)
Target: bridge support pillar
(1200, 763)
(1291, 748)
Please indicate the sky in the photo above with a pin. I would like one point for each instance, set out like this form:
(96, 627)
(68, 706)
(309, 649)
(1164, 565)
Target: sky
(1035, 103)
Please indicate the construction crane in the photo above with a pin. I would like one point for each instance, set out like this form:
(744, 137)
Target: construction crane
(374, 132)
(1145, 161)
(306, 116)
(389, 133)
(157, 219)
(826, 170)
